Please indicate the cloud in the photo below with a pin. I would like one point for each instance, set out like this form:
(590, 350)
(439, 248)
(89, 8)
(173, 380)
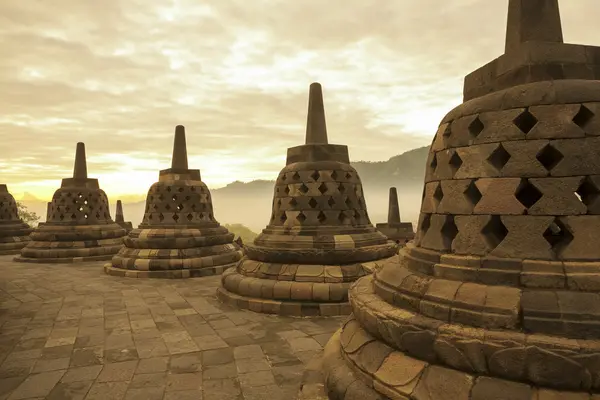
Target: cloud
(120, 74)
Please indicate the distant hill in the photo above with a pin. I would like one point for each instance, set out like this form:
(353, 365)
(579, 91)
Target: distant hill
(249, 203)
(242, 231)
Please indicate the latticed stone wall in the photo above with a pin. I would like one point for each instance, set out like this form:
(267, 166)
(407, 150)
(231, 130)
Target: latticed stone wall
(517, 183)
(319, 197)
(8, 208)
(178, 202)
(79, 206)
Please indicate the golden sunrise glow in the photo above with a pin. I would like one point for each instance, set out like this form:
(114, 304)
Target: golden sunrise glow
(119, 77)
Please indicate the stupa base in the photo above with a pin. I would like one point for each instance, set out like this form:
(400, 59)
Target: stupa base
(288, 308)
(14, 246)
(167, 274)
(62, 260)
(292, 289)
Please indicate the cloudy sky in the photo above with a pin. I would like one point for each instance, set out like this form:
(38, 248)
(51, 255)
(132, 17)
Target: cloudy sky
(120, 74)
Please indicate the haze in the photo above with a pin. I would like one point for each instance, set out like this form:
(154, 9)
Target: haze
(120, 74)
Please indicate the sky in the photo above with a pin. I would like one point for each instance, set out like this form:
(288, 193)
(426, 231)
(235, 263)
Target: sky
(119, 75)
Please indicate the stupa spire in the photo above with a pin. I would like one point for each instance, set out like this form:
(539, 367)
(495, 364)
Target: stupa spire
(80, 168)
(393, 208)
(532, 21)
(180, 160)
(316, 128)
(119, 213)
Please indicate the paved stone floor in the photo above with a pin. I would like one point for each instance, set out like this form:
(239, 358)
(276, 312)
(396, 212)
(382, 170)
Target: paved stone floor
(72, 332)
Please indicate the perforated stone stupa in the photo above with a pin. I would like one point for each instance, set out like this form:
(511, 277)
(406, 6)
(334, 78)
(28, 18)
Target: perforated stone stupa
(394, 229)
(179, 236)
(120, 219)
(319, 238)
(14, 233)
(499, 297)
(78, 226)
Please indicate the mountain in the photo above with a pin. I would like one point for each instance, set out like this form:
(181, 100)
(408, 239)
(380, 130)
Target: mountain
(250, 203)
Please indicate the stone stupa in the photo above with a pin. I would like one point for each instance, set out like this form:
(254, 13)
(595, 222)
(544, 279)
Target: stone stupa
(120, 218)
(499, 297)
(78, 226)
(179, 236)
(394, 229)
(14, 233)
(319, 238)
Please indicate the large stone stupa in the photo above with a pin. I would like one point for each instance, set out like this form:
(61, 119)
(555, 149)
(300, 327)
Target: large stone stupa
(319, 237)
(499, 298)
(14, 233)
(394, 229)
(78, 226)
(179, 236)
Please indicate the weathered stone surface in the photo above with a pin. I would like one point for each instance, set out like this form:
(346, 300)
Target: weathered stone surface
(14, 233)
(179, 236)
(320, 236)
(79, 227)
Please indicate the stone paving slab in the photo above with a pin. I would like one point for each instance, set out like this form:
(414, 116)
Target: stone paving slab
(69, 331)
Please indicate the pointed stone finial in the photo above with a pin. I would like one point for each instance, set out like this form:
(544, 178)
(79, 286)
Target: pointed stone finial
(49, 211)
(180, 160)
(532, 21)
(119, 213)
(316, 129)
(393, 209)
(80, 169)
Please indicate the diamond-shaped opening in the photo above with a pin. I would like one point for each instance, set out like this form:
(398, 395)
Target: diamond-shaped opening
(549, 157)
(557, 235)
(61, 217)
(187, 198)
(312, 203)
(211, 216)
(499, 157)
(293, 202)
(161, 217)
(190, 217)
(472, 193)
(434, 162)
(455, 161)
(348, 175)
(341, 188)
(303, 189)
(283, 177)
(357, 216)
(160, 197)
(438, 194)
(286, 190)
(180, 206)
(85, 202)
(80, 195)
(98, 215)
(315, 175)
(174, 197)
(193, 189)
(86, 216)
(476, 127)
(527, 193)
(348, 202)
(587, 192)
(167, 206)
(323, 188)
(181, 189)
(331, 201)
(583, 117)
(447, 130)
(334, 175)
(193, 207)
(301, 217)
(169, 189)
(449, 231)
(494, 231)
(175, 217)
(525, 121)
(322, 217)
(201, 215)
(296, 176)
(426, 223)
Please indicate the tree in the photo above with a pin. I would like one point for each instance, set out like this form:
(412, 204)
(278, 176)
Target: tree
(29, 217)
(242, 231)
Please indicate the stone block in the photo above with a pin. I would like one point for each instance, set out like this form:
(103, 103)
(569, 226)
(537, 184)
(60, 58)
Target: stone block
(444, 383)
(455, 200)
(498, 196)
(301, 291)
(439, 234)
(447, 164)
(430, 198)
(555, 122)
(543, 274)
(487, 388)
(584, 276)
(580, 242)
(558, 196)
(282, 290)
(470, 239)
(522, 160)
(525, 238)
(499, 126)
(575, 157)
(475, 162)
